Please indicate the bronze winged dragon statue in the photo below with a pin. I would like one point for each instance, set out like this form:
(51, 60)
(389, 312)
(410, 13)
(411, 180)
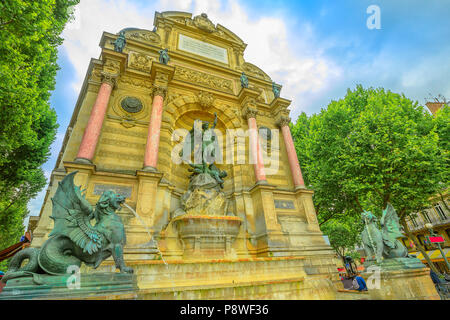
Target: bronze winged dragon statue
(74, 239)
(384, 243)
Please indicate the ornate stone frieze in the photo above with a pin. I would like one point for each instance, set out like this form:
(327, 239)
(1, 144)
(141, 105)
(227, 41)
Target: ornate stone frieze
(143, 36)
(205, 79)
(136, 82)
(140, 61)
(206, 99)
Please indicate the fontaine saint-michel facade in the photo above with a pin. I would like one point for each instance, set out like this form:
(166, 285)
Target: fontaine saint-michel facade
(197, 141)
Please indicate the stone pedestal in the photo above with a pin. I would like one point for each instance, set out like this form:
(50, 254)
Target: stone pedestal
(103, 286)
(400, 279)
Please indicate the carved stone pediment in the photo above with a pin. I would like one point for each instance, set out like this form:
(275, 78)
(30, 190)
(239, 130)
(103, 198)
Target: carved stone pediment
(142, 35)
(253, 70)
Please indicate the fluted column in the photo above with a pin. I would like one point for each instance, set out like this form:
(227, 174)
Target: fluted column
(255, 148)
(93, 129)
(296, 172)
(154, 131)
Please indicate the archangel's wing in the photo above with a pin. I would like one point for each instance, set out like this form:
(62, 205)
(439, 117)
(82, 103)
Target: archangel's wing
(72, 214)
(389, 222)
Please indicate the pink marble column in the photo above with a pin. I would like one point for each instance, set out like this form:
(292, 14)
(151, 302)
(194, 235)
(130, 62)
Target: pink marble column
(255, 147)
(292, 154)
(92, 132)
(151, 149)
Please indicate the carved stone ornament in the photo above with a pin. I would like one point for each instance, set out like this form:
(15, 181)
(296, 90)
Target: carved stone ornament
(136, 82)
(111, 66)
(159, 91)
(202, 22)
(131, 104)
(109, 78)
(250, 112)
(202, 78)
(283, 121)
(143, 36)
(206, 99)
(255, 71)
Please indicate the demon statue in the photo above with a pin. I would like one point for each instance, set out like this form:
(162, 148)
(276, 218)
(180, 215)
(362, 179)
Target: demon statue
(74, 239)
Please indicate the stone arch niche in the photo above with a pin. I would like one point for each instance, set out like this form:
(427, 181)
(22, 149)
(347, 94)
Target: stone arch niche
(181, 114)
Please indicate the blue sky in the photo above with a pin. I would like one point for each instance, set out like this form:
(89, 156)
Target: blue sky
(316, 48)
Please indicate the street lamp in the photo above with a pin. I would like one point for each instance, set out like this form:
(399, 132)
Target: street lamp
(429, 226)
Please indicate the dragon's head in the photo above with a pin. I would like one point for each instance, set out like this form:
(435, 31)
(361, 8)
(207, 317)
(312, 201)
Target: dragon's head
(368, 217)
(110, 201)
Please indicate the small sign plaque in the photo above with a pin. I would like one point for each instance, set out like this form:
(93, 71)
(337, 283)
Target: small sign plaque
(284, 204)
(436, 239)
(122, 190)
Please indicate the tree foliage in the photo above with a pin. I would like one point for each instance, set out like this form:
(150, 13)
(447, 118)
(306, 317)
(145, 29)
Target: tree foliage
(29, 38)
(370, 148)
(344, 236)
(373, 147)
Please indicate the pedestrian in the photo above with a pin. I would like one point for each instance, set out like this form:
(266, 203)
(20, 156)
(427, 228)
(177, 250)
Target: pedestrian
(434, 277)
(359, 283)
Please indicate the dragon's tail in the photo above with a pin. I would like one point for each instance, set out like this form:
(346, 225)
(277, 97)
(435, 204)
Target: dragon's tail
(15, 268)
(57, 255)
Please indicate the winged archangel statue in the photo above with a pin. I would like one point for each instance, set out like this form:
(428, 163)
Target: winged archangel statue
(74, 239)
(202, 142)
(384, 243)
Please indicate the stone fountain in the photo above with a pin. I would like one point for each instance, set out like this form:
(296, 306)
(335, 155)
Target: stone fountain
(204, 226)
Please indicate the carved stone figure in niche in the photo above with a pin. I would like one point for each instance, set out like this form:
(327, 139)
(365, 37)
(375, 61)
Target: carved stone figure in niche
(164, 56)
(244, 80)
(203, 143)
(120, 42)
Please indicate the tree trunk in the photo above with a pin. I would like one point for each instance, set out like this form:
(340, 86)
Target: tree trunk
(419, 246)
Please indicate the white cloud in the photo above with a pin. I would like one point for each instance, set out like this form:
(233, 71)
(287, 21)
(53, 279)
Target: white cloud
(304, 74)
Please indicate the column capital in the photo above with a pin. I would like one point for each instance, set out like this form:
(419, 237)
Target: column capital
(283, 121)
(249, 112)
(109, 78)
(159, 91)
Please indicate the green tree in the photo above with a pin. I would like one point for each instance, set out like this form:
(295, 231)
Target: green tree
(29, 39)
(370, 148)
(343, 237)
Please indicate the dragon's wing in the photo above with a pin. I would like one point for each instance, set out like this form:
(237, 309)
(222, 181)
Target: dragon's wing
(390, 224)
(72, 214)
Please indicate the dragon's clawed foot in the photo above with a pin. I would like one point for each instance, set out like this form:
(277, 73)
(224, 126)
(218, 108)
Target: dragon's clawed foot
(126, 269)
